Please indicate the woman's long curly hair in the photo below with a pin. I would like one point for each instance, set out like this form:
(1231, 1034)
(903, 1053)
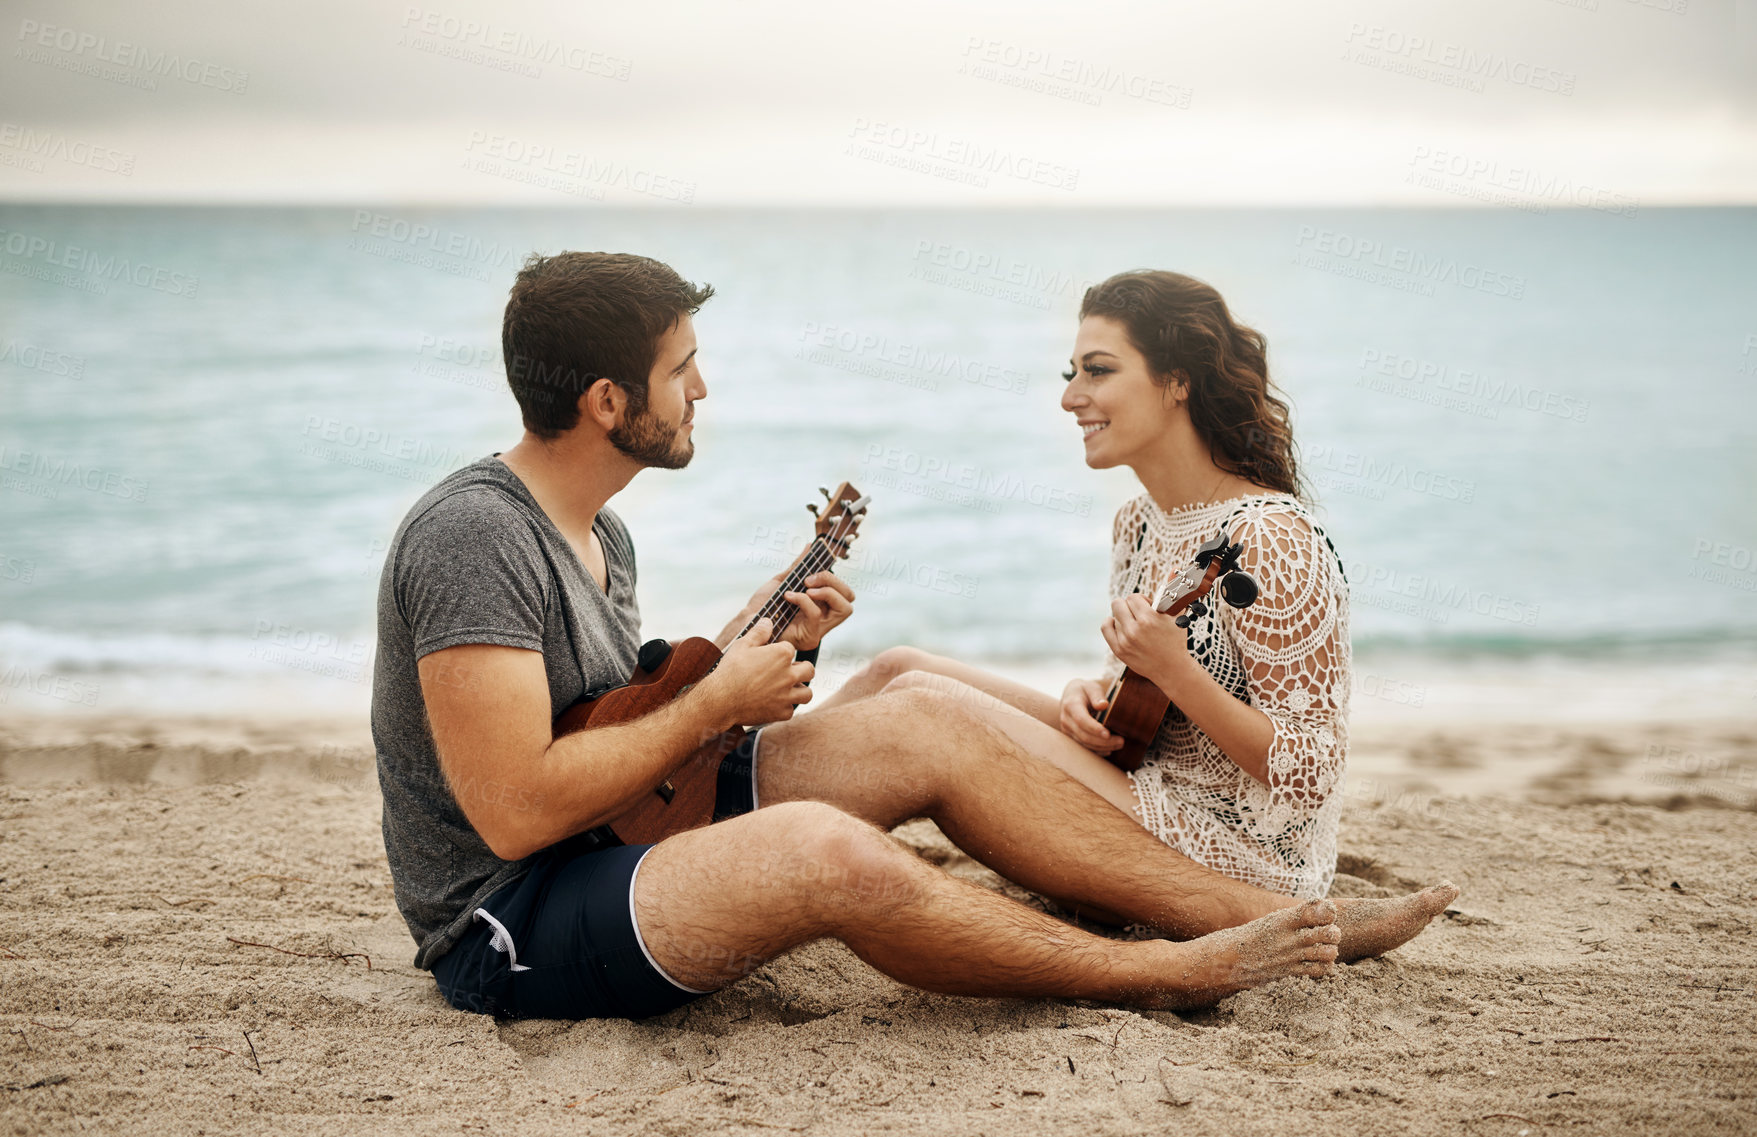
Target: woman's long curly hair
(1184, 329)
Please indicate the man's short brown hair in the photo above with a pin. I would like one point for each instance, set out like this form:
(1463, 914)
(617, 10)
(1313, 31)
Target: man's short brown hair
(574, 318)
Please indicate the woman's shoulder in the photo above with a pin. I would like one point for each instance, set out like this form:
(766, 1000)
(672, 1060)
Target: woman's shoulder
(1259, 513)
(1282, 510)
(1280, 531)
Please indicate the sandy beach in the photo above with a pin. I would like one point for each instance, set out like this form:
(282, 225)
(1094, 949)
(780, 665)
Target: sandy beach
(199, 937)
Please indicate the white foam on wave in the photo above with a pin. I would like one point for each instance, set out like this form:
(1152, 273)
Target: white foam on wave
(44, 671)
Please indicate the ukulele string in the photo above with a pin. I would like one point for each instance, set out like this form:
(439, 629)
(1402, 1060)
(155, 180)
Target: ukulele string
(778, 608)
(1137, 568)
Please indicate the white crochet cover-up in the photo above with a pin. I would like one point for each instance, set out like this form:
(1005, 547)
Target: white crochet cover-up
(1287, 655)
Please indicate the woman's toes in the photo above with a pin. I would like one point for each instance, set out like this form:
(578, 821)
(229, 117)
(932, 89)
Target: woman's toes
(1322, 952)
(1317, 970)
(1328, 934)
(1317, 913)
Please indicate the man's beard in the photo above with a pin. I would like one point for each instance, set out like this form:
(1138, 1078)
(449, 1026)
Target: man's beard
(651, 442)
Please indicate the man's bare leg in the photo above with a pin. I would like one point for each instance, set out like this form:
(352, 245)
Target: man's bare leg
(977, 772)
(714, 903)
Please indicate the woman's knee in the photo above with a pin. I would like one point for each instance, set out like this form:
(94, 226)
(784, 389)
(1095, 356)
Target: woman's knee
(894, 662)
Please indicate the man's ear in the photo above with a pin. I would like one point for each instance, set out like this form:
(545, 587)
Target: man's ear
(603, 403)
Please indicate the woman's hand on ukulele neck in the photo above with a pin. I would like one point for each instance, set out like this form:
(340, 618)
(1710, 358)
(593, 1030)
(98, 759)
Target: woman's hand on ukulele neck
(1149, 643)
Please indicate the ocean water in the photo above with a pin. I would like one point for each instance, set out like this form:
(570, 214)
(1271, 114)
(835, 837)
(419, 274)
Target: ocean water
(1530, 435)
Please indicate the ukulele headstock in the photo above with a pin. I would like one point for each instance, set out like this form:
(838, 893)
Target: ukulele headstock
(839, 518)
(1215, 562)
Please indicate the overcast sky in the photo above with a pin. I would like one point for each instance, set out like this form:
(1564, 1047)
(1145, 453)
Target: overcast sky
(908, 102)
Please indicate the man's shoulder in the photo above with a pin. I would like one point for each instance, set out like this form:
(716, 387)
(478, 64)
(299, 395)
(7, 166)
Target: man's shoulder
(615, 530)
(471, 499)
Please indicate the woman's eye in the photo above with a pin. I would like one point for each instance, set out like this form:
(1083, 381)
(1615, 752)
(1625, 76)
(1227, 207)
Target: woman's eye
(1068, 375)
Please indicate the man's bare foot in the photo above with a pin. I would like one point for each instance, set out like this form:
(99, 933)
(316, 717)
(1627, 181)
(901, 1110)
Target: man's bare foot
(1374, 927)
(1294, 941)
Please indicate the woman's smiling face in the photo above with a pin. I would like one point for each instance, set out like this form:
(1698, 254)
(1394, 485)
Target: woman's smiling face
(1111, 394)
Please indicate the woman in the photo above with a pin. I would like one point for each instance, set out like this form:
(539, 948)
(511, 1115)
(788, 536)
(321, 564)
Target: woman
(1244, 775)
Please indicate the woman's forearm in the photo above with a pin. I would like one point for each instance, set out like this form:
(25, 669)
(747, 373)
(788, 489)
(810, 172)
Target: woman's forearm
(1243, 733)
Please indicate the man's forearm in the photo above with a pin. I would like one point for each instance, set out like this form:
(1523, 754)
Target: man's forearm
(591, 776)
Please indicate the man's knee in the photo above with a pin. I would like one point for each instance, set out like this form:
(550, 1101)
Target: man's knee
(832, 858)
(936, 702)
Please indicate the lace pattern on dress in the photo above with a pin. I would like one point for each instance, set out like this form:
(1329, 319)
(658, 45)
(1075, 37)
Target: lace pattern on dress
(1287, 655)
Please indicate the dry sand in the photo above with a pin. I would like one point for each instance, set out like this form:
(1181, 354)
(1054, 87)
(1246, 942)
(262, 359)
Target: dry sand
(1596, 976)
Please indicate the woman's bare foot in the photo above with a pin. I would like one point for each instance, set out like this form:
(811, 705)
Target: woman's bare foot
(1374, 927)
(1294, 941)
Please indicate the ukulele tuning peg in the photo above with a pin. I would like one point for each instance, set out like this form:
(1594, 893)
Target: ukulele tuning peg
(825, 490)
(1239, 588)
(1183, 621)
(813, 507)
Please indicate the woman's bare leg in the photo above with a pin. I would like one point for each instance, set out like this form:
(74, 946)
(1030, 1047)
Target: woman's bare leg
(1029, 731)
(893, 662)
(801, 760)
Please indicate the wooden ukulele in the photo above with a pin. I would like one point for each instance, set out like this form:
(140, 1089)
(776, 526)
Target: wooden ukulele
(685, 800)
(1137, 707)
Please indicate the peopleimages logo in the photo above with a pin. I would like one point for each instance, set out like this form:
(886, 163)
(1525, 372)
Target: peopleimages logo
(1395, 50)
(432, 238)
(1441, 597)
(53, 472)
(876, 348)
(963, 483)
(1492, 391)
(38, 358)
(1396, 474)
(18, 677)
(90, 50)
(75, 151)
(519, 50)
(104, 266)
(1409, 262)
(885, 141)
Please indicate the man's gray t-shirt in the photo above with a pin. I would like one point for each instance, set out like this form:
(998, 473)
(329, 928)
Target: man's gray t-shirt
(477, 561)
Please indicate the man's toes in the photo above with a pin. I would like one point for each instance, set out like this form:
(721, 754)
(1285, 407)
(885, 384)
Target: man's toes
(1316, 913)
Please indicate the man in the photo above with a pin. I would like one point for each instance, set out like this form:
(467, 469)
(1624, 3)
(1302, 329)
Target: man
(508, 592)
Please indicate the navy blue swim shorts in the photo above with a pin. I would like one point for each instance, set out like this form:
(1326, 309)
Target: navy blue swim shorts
(561, 942)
